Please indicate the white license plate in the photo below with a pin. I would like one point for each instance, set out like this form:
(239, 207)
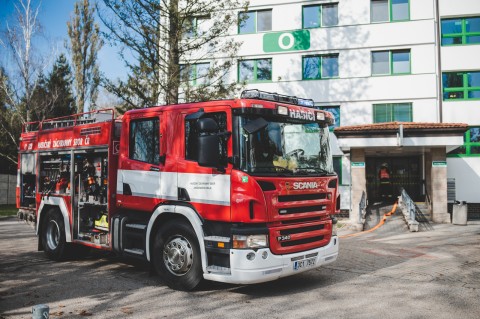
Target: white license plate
(306, 263)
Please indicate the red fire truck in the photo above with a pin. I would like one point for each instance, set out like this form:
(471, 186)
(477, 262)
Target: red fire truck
(238, 191)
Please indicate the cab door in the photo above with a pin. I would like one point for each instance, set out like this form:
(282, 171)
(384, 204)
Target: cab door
(141, 162)
(206, 188)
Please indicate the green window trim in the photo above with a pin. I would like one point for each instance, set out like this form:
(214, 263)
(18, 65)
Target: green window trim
(460, 93)
(469, 148)
(336, 115)
(320, 22)
(339, 160)
(192, 30)
(193, 74)
(392, 112)
(255, 21)
(255, 71)
(390, 12)
(319, 75)
(391, 62)
(464, 35)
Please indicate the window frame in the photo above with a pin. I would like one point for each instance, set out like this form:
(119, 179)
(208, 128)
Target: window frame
(467, 145)
(392, 111)
(194, 27)
(465, 89)
(340, 173)
(391, 62)
(327, 108)
(320, 15)
(255, 21)
(320, 66)
(463, 34)
(188, 135)
(390, 12)
(192, 70)
(156, 137)
(255, 69)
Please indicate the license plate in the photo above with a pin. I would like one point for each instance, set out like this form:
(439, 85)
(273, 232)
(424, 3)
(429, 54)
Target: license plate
(306, 263)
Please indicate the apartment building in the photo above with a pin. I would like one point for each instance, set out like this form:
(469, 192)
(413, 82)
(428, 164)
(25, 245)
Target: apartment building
(402, 78)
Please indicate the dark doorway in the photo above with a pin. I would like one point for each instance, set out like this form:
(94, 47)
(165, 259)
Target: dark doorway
(405, 172)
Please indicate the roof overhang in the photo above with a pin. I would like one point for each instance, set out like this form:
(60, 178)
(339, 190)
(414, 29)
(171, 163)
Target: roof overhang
(401, 134)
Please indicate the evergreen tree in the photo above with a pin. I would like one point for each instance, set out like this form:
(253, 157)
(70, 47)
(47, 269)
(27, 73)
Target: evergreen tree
(84, 45)
(60, 89)
(53, 96)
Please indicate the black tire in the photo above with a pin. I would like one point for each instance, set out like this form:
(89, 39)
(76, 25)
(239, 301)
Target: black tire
(176, 256)
(53, 235)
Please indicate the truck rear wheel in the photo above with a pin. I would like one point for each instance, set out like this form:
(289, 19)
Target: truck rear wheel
(176, 256)
(53, 235)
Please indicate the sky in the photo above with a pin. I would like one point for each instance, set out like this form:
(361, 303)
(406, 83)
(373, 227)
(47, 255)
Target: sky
(53, 16)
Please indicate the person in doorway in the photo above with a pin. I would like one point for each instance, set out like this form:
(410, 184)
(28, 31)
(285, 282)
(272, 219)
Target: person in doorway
(384, 177)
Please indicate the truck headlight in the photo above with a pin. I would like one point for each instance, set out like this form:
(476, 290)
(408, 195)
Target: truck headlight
(250, 241)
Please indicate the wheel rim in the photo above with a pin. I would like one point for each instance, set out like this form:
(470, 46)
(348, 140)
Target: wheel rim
(53, 234)
(178, 255)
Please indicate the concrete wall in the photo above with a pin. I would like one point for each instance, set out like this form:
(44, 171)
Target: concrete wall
(359, 182)
(8, 184)
(466, 171)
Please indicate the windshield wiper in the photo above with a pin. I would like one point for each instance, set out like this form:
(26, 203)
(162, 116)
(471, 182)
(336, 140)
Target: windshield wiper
(275, 168)
(317, 170)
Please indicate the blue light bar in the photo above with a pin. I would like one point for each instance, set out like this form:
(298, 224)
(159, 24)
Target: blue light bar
(275, 97)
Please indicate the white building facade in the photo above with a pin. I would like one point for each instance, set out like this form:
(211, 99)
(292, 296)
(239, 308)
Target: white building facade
(372, 62)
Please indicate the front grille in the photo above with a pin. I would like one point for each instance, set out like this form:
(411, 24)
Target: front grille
(300, 220)
(301, 230)
(303, 197)
(301, 241)
(303, 209)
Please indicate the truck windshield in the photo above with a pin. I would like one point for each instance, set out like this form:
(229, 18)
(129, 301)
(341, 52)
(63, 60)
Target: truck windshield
(283, 147)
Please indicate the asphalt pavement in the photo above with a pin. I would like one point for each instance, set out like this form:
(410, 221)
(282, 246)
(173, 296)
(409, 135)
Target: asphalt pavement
(386, 273)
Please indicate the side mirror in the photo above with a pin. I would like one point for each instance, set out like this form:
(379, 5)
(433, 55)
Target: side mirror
(208, 151)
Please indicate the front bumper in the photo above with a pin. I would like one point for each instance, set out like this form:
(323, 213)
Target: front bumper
(244, 271)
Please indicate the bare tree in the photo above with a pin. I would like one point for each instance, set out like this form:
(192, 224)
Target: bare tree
(21, 85)
(84, 45)
(163, 42)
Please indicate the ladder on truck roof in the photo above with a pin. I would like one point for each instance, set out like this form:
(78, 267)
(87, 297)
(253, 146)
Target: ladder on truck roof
(97, 116)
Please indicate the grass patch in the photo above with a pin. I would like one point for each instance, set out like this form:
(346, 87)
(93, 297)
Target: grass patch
(8, 210)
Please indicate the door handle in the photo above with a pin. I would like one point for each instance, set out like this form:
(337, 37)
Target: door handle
(154, 169)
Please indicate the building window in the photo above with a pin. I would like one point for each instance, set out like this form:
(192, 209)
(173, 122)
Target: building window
(259, 70)
(255, 21)
(389, 10)
(145, 140)
(195, 74)
(392, 112)
(196, 27)
(337, 167)
(320, 67)
(335, 110)
(461, 31)
(391, 62)
(461, 85)
(471, 144)
(316, 16)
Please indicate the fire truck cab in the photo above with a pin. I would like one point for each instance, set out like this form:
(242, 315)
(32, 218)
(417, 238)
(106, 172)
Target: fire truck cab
(238, 191)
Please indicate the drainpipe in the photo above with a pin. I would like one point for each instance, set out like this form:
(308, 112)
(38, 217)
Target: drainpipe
(438, 53)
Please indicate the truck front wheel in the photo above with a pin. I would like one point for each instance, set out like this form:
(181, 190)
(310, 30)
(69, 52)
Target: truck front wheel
(53, 235)
(176, 256)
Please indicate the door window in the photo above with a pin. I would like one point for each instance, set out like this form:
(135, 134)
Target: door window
(145, 140)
